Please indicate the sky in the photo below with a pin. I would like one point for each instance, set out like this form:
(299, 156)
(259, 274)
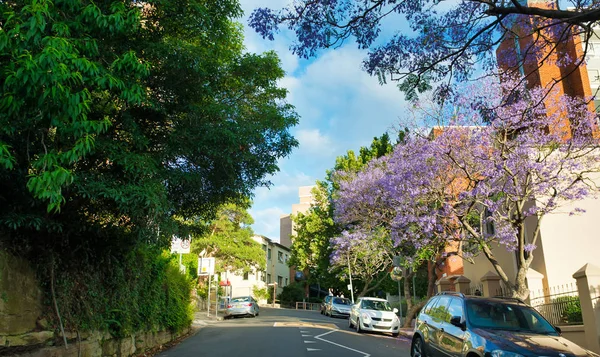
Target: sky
(340, 106)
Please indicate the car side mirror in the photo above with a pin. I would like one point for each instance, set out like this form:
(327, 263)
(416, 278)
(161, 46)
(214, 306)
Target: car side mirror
(395, 311)
(558, 329)
(457, 321)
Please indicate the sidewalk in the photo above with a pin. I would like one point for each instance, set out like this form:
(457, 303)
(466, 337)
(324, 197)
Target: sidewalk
(201, 319)
(407, 332)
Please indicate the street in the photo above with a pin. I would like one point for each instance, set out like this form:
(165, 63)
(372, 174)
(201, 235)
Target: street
(290, 333)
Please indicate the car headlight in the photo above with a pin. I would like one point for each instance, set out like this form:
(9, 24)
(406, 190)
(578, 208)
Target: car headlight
(501, 353)
(366, 318)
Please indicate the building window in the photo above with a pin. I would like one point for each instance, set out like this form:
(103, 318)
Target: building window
(269, 254)
(280, 257)
(286, 258)
(264, 276)
(246, 276)
(264, 247)
(268, 278)
(280, 280)
(286, 282)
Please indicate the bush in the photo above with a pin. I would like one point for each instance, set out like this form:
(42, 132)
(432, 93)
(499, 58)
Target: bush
(571, 309)
(142, 290)
(291, 293)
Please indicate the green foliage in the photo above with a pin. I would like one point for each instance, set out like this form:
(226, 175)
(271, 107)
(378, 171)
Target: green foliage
(121, 125)
(261, 294)
(229, 240)
(140, 290)
(571, 309)
(314, 229)
(291, 294)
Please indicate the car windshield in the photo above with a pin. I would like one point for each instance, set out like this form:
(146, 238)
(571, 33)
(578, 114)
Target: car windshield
(341, 301)
(240, 299)
(376, 305)
(511, 317)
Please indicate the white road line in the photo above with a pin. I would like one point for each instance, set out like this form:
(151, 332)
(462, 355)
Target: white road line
(310, 341)
(312, 349)
(303, 335)
(337, 344)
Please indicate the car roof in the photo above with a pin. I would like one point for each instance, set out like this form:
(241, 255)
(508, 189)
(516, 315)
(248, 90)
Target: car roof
(497, 299)
(372, 298)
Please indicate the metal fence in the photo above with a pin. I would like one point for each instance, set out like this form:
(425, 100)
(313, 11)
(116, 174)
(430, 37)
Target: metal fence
(560, 305)
(475, 289)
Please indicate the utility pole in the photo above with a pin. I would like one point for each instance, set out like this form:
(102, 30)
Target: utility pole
(350, 274)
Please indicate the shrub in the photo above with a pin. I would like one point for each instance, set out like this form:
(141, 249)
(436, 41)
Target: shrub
(141, 290)
(291, 293)
(570, 307)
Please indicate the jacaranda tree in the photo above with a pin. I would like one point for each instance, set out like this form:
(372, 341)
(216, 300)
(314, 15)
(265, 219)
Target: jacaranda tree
(437, 42)
(506, 166)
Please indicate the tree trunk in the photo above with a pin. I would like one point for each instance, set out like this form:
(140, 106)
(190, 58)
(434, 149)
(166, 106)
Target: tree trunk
(407, 293)
(412, 313)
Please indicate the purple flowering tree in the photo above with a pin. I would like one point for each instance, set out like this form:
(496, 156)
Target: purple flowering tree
(368, 255)
(488, 173)
(435, 41)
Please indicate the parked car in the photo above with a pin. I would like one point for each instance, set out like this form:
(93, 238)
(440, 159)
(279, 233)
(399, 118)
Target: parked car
(324, 303)
(374, 314)
(337, 306)
(242, 306)
(452, 324)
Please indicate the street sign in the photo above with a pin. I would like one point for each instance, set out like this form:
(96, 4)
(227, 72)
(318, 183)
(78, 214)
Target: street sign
(180, 246)
(206, 266)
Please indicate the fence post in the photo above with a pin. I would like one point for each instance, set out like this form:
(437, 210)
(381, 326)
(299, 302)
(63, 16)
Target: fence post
(588, 285)
(443, 285)
(462, 284)
(491, 284)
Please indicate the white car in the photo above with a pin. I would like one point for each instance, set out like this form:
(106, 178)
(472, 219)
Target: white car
(373, 314)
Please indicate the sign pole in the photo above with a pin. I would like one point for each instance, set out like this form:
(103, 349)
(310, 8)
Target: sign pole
(208, 297)
(350, 273)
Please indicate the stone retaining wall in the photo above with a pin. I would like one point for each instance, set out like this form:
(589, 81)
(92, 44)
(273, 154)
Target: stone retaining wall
(49, 344)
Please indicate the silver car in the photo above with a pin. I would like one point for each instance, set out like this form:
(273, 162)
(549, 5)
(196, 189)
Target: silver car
(338, 306)
(373, 314)
(242, 306)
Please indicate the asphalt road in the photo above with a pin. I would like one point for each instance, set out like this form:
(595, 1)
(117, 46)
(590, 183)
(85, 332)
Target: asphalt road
(287, 333)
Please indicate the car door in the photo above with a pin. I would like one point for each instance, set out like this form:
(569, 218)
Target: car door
(424, 320)
(436, 325)
(355, 312)
(451, 336)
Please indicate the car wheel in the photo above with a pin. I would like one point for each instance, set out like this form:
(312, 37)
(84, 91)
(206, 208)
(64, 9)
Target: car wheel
(417, 349)
(350, 323)
(395, 334)
(358, 329)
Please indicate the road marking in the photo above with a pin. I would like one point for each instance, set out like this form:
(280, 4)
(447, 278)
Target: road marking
(312, 349)
(305, 324)
(310, 341)
(306, 335)
(339, 345)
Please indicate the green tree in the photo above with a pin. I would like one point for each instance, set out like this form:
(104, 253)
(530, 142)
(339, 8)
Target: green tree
(311, 250)
(229, 240)
(122, 121)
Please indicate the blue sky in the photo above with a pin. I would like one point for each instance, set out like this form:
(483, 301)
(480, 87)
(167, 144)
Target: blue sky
(341, 108)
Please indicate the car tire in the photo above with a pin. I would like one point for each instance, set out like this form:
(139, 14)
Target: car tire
(358, 329)
(395, 334)
(417, 349)
(350, 323)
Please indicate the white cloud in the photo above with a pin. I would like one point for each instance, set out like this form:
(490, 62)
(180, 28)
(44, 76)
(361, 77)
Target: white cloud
(267, 221)
(313, 142)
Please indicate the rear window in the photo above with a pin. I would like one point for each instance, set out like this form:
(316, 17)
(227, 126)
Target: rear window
(240, 299)
(341, 301)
